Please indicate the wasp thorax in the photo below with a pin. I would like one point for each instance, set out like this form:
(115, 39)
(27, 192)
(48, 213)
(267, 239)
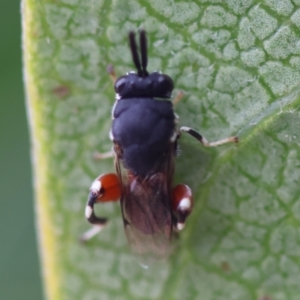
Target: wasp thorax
(154, 85)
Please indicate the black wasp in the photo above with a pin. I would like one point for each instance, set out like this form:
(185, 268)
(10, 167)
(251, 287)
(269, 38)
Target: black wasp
(145, 141)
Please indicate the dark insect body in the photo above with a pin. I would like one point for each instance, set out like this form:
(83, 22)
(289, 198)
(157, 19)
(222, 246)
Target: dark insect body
(145, 135)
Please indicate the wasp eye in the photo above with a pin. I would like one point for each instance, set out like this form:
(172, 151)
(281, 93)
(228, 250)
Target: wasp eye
(165, 85)
(160, 79)
(120, 84)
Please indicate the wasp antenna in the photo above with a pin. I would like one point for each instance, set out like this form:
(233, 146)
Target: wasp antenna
(144, 54)
(134, 53)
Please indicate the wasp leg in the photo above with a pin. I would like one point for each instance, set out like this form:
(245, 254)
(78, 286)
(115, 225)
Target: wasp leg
(204, 141)
(98, 223)
(112, 74)
(91, 233)
(109, 154)
(177, 98)
(105, 188)
(182, 204)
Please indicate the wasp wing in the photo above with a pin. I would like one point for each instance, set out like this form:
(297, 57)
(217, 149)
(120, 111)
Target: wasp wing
(147, 214)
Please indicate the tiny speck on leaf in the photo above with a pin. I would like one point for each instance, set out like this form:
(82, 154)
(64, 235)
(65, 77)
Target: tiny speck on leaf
(61, 91)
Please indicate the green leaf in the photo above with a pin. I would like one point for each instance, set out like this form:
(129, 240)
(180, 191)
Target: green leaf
(238, 63)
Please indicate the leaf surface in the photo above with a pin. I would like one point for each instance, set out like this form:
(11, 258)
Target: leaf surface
(238, 63)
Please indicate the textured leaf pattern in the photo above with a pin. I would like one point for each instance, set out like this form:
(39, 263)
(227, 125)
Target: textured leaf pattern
(238, 63)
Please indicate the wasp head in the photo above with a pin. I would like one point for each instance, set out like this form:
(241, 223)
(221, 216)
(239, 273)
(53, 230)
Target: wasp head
(143, 84)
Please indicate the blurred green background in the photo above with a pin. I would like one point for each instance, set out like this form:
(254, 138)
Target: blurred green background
(19, 264)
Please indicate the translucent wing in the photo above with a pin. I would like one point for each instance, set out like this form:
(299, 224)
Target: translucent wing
(147, 211)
